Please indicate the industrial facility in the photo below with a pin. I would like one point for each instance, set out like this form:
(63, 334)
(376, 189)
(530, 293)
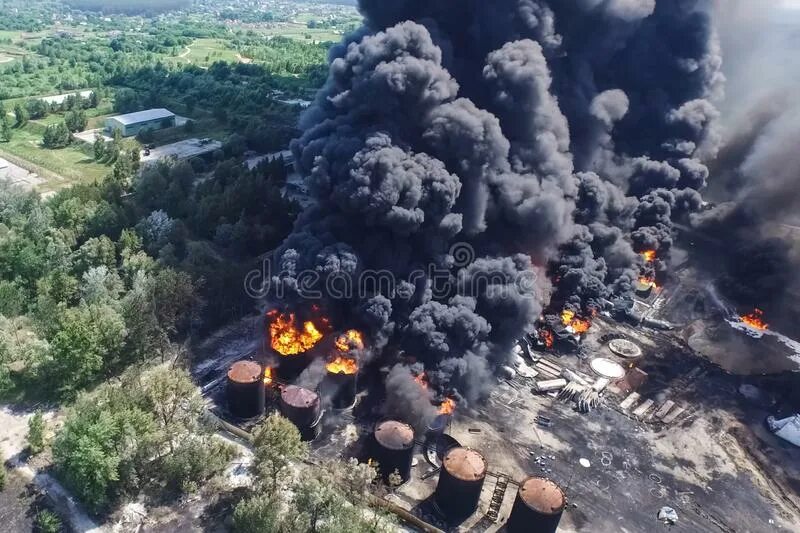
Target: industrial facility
(132, 123)
(584, 418)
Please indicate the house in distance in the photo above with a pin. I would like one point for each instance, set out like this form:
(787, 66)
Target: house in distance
(132, 123)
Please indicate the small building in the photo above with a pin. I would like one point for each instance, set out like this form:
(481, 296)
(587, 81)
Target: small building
(132, 123)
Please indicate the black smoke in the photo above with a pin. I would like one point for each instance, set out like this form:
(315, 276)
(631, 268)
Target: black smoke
(557, 139)
(756, 177)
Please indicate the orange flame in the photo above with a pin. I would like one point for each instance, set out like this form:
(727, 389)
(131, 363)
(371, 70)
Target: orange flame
(573, 323)
(447, 407)
(546, 336)
(649, 255)
(287, 339)
(342, 365)
(267, 376)
(350, 340)
(755, 320)
(422, 380)
(650, 282)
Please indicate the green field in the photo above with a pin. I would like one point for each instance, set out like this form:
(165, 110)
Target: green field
(301, 32)
(61, 168)
(206, 51)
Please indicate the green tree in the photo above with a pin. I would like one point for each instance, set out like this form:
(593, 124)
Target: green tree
(5, 124)
(47, 522)
(276, 445)
(35, 436)
(36, 108)
(258, 514)
(87, 340)
(56, 136)
(21, 115)
(99, 147)
(75, 120)
(102, 437)
(5, 130)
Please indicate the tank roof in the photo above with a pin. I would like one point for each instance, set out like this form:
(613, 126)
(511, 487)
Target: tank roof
(245, 372)
(465, 464)
(394, 435)
(299, 397)
(542, 495)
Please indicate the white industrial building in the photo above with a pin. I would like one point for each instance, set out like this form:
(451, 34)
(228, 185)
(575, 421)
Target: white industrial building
(132, 123)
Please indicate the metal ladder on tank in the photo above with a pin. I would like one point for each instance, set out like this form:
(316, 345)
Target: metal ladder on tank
(497, 498)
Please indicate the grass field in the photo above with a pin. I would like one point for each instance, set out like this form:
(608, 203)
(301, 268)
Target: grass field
(206, 51)
(61, 168)
(302, 33)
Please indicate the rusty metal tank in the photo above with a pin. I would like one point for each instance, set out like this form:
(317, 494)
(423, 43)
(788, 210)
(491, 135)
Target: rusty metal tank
(393, 448)
(245, 389)
(302, 407)
(460, 483)
(538, 508)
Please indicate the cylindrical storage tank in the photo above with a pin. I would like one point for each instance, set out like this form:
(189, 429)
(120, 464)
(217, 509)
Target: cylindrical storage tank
(460, 483)
(394, 448)
(245, 389)
(291, 366)
(437, 428)
(342, 389)
(538, 507)
(301, 406)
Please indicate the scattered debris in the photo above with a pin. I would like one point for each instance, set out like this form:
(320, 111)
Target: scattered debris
(668, 515)
(547, 385)
(787, 429)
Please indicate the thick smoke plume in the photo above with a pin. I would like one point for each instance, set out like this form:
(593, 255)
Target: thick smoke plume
(757, 175)
(556, 138)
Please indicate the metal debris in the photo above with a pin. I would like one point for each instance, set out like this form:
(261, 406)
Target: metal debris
(668, 515)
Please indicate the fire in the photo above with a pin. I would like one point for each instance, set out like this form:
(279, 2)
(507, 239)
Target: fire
(422, 380)
(342, 365)
(287, 339)
(755, 319)
(546, 336)
(649, 255)
(447, 407)
(349, 340)
(573, 323)
(268, 376)
(648, 281)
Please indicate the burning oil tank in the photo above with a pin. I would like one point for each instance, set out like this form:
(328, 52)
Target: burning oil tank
(437, 428)
(341, 382)
(460, 483)
(245, 389)
(393, 448)
(291, 366)
(292, 340)
(302, 407)
(538, 507)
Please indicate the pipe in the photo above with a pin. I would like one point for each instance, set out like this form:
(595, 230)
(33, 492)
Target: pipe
(402, 514)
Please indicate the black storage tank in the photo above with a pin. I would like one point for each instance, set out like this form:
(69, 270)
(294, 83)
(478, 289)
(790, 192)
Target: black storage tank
(245, 389)
(460, 483)
(538, 507)
(302, 407)
(393, 448)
